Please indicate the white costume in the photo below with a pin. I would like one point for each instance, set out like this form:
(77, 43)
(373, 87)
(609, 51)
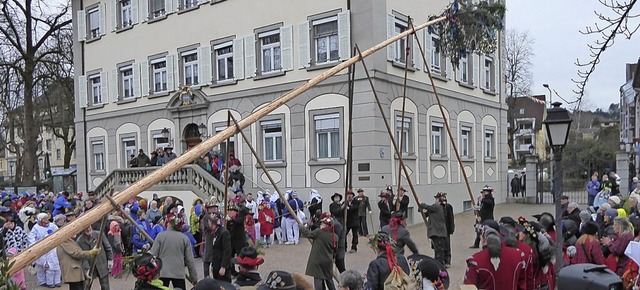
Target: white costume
(47, 266)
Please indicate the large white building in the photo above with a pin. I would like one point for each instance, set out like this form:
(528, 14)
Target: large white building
(134, 56)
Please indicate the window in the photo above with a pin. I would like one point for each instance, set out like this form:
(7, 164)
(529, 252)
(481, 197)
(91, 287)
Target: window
(465, 141)
(159, 74)
(160, 141)
(463, 67)
(521, 111)
(187, 4)
(327, 131)
(126, 78)
(97, 149)
(403, 133)
(96, 89)
(93, 21)
(129, 149)
(47, 144)
(326, 40)
(401, 44)
(270, 51)
(435, 54)
(189, 68)
(58, 154)
(224, 61)
(436, 139)
(222, 146)
(488, 144)
(489, 77)
(272, 138)
(156, 8)
(126, 18)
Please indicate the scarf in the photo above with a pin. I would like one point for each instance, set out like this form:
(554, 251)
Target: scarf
(114, 228)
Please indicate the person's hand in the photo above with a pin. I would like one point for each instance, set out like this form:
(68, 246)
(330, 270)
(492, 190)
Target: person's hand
(110, 265)
(222, 271)
(94, 252)
(146, 246)
(606, 241)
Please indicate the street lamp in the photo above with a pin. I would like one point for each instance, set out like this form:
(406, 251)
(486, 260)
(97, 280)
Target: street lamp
(621, 145)
(550, 95)
(165, 133)
(557, 124)
(202, 129)
(532, 149)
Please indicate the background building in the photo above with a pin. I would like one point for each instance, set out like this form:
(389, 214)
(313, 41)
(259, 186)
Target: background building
(137, 57)
(529, 112)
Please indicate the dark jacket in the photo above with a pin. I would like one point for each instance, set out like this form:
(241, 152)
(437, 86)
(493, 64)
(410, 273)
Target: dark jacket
(364, 205)
(574, 216)
(323, 249)
(378, 270)
(337, 211)
(449, 218)
(486, 208)
(385, 212)
(88, 243)
(236, 229)
(437, 226)
(404, 204)
(338, 228)
(353, 218)
(218, 253)
(402, 238)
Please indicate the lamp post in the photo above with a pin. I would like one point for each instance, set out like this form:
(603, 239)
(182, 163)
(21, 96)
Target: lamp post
(550, 95)
(557, 124)
(202, 129)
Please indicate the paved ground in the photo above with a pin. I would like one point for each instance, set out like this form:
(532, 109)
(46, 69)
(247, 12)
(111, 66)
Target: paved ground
(293, 258)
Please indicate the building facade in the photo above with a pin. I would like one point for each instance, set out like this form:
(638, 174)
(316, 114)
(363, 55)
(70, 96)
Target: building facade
(152, 66)
(528, 114)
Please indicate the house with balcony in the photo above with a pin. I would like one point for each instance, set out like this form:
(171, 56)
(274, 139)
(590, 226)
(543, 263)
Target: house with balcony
(528, 114)
(157, 73)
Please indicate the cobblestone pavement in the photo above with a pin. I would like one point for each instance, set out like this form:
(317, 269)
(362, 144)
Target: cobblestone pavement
(293, 258)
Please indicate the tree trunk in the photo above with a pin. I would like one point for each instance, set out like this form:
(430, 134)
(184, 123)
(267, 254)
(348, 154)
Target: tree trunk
(68, 152)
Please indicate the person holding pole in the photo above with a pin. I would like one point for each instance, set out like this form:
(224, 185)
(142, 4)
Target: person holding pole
(353, 220)
(400, 202)
(487, 204)
(104, 262)
(385, 208)
(365, 207)
(436, 228)
(172, 245)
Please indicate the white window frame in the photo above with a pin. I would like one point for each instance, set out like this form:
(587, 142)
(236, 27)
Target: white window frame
(156, 12)
(96, 89)
(274, 48)
(465, 141)
(98, 157)
(159, 141)
(190, 66)
(126, 82)
(58, 154)
(328, 38)
(270, 136)
(437, 145)
(224, 52)
(488, 67)
(188, 4)
(159, 72)
(93, 32)
(463, 66)
(128, 149)
(126, 16)
(232, 141)
(488, 143)
(407, 133)
(401, 44)
(333, 132)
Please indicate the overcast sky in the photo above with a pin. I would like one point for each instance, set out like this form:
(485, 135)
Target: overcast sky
(554, 25)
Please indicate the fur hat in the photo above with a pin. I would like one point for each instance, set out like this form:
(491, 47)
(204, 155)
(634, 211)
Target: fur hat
(590, 228)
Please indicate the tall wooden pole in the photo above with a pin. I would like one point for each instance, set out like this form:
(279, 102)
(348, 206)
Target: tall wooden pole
(227, 152)
(404, 102)
(27, 257)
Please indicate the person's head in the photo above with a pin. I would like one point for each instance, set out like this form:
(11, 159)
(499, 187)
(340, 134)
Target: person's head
(215, 221)
(486, 190)
(212, 207)
(614, 201)
(516, 175)
(605, 178)
(114, 227)
(249, 196)
(153, 204)
(603, 208)
(350, 195)
(633, 200)
(622, 226)
(168, 200)
(585, 216)
(336, 197)
(147, 267)
(352, 280)
(564, 199)
(140, 152)
(383, 195)
(382, 242)
(572, 206)
(590, 228)
(88, 231)
(248, 259)
(142, 215)
(155, 196)
(88, 204)
(610, 214)
(360, 192)
(594, 177)
(401, 191)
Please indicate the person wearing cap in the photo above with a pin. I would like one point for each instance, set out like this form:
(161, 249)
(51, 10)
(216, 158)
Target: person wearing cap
(379, 269)
(142, 160)
(431, 275)
(385, 208)
(353, 220)
(400, 202)
(615, 202)
(324, 245)
(487, 204)
(217, 249)
(607, 230)
(47, 265)
(515, 228)
(315, 202)
(541, 245)
(436, 226)
(235, 223)
(248, 262)
(169, 155)
(87, 240)
(172, 245)
(13, 236)
(147, 269)
(398, 231)
(363, 209)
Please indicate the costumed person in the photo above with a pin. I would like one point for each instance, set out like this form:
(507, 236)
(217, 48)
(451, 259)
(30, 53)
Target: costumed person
(250, 226)
(115, 239)
(353, 220)
(543, 252)
(88, 240)
(486, 203)
(400, 202)
(512, 239)
(363, 210)
(324, 245)
(588, 248)
(248, 262)
(18, 277)
(172, 245)
(436, 226)
(351, 280)
(385, 208)
(315, 202)
(217, 249)
(194, 222)
(235, 224)
(284, 280)
(292, 228)
(449, 219)
(336, 208)
(47, 266)
(266, 217)
(71, 258)
(379, 269)
(497, 266)
(397, 230)
(140, 243)
(431, 275)
(14, 236)
(147, 269)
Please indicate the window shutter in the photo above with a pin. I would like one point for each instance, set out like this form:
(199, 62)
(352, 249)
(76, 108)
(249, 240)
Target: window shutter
(344, 34)
(171, 80)
(114, 92)
(428, 50)
(102, 10)
(286, 38)
(391, 48)
(497, 76)
(238, 59)
(114, 15)
(144, 78)
(82, 25)
(481, 76)
(136, 80)
(475, 64)
(304, 56)
(458, 72)
(104, 92)
(169, 6)
(144, 9)
(250, 56)
(204, 65)
(449, 68)
(417, 58)
(82, 91)
(134, 11)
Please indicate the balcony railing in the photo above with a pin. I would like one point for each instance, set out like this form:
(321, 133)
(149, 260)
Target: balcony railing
(190, 177)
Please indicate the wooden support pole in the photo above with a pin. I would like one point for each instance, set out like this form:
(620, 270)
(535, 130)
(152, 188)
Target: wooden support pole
(94, 260)
(404, 103)
(130, 219)
(227, 152)
(393, 141)
(29, 255)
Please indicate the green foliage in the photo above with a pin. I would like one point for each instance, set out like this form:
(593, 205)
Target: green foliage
(5, 279)
(582, 156)
(469, 28)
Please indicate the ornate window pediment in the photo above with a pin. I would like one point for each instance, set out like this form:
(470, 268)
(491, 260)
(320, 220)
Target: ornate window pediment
(188, 99)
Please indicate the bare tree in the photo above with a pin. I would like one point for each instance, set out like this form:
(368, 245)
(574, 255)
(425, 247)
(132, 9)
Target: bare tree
(519, 50)
(27, 28)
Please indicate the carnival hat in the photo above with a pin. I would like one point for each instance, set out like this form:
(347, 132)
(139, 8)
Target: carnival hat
(278, 280)
(212, 284)
(146, 267)
(487, 188)
(336, 194)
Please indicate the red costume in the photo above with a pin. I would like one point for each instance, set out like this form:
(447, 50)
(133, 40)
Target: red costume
(266, 218)
(510, 274)
(529, 270)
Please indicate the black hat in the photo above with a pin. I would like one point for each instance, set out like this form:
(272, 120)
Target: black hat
(590, 228)
(487, 188)
(278, 280)
(210, 204)
(492, 224)
(334, 195)
(248, 257)
(564, 197)
(415, 261)
(349, 191)
(429, 269)
(212, 284)
(507, 220)
(538, 216)
(146, 267)
(398, 214)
